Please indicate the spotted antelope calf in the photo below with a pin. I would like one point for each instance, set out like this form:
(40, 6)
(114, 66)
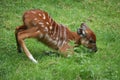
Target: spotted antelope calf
(39, 25)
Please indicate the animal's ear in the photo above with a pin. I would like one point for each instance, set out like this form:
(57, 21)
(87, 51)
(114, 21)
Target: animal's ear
(81, 32)
(84, 26)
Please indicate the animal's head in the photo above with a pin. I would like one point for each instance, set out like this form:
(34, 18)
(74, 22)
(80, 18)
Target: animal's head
(88, 38)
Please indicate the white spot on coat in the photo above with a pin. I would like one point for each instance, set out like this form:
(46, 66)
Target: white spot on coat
(44, 16)
(33, 12)
(40, 23)
(46, 29)
(35, 18)
(39, 14)
(47, 23)
(50, 27)
(56, 38)
(38, 31)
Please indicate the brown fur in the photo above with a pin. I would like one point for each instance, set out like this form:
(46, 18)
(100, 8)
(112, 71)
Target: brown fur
(39, 25)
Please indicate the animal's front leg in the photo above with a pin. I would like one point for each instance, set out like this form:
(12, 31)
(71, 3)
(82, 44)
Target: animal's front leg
(66, 50)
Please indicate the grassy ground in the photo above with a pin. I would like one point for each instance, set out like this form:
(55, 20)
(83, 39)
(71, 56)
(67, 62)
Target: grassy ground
(103, 17)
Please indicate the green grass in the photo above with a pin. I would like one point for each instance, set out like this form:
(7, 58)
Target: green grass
(103, 17)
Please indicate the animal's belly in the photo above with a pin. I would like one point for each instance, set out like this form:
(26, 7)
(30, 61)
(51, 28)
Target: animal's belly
(47, 40)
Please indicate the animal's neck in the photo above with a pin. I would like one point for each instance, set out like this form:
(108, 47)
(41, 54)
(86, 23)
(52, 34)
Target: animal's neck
(61, 33)
(75, 37)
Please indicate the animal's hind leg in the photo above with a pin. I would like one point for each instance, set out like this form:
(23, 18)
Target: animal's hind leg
(29, 33)
(19, 29)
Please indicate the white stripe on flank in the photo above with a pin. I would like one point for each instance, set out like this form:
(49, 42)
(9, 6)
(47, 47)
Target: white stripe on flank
(64, 28)
(57, 32)
(65, 33)
(52, 23)
(60, 36)
(54, 33)
(60, 31)
(50, 19)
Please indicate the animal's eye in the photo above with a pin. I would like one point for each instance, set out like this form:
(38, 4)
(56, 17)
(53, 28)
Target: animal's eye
(91, 41)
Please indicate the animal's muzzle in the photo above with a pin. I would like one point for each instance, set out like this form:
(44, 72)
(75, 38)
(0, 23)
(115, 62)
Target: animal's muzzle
(94, 49)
